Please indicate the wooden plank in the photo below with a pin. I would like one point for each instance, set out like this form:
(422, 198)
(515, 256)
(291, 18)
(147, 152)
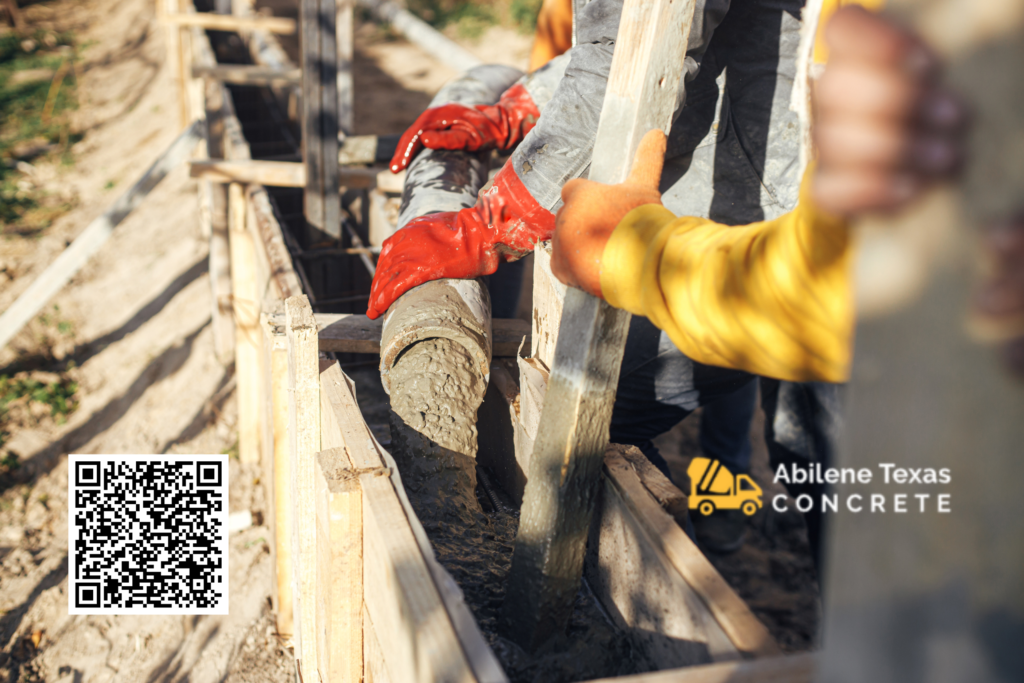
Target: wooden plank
(344, 25)
(339, 569)
(246, 74)
(548, 298)
(227, 22)
(304, 433)
(401, 597)
(283, 279)
(95, 235)
(573, 432)
(278, 479)
(671, 499)
(744, 630)
(368, 149)
(653, 606)
(354, 333)
(343, 424)
(246, 308)
(275, 173)
(375, 666)
(800, 668)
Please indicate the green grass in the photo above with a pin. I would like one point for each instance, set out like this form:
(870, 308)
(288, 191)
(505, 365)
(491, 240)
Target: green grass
(25, 210)
(472, 17)
(58, 396)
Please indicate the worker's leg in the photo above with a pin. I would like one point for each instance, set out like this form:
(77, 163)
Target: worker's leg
(802, 426)
(659, 386)
(725, 428)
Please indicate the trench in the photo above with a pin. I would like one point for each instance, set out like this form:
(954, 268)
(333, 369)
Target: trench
(471, 525)
(430, 425)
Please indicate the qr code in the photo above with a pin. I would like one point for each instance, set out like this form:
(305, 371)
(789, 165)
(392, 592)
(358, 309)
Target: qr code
(148, 534)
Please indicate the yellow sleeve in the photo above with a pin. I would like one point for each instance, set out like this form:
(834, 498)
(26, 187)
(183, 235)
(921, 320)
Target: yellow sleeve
(772, 298)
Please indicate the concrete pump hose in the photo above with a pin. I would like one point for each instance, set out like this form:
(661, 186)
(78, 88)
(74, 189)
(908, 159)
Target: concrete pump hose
(435, 181)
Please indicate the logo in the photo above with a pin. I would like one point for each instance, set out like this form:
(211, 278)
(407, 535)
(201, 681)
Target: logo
(713, 487)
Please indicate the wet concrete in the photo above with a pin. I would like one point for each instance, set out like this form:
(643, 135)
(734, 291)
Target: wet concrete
(436, 391)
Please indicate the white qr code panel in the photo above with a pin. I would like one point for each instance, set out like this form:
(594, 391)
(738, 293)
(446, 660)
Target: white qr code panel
(148, 534)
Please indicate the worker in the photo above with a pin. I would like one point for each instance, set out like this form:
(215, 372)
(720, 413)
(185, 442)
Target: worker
(732, 156)
(773, 298)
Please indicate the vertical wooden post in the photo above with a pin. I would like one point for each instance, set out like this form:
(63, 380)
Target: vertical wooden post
(320, 118)
(339, 569)
(219, 259)
(346, 93)
(246, 307)
(573, 432)
(304, 434)
(277, 477)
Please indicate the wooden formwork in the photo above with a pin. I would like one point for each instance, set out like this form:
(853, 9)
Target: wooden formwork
(357, 588)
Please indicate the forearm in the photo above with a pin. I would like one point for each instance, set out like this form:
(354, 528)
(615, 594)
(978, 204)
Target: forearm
(560, 146)
(772, 298)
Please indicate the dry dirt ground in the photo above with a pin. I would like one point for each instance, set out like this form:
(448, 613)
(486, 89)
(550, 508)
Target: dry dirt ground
(133, 330)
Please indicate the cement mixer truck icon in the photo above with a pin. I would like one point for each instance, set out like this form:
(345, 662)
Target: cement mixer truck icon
(713, 487)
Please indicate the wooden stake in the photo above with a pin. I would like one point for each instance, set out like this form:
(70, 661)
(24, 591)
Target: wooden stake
(320, 119)
(346, 92)
(566, 462)
(339, 567)
(278, 479)
(304, 433)
(246, 308)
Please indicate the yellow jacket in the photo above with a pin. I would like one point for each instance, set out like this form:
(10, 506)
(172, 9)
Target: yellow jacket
(773, 298)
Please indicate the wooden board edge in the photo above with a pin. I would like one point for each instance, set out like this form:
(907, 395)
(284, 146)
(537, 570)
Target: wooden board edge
(744, 629)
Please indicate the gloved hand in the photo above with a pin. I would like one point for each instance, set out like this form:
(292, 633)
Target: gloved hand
(456, 126)
(592, 211)
(505, 221)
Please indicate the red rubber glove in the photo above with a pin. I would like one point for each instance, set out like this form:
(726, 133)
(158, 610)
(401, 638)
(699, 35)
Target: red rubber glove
(456, 126)
(505, 221)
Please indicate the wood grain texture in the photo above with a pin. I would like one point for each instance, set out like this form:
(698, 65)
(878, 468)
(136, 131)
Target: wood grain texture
(246, 308)
(304, 433)
(375, 667)
(744, 630)
(227, 22)
(280, 481)
(339, 569)
(664, 619)
(401, 598)
(284, 281)
(573, 431)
